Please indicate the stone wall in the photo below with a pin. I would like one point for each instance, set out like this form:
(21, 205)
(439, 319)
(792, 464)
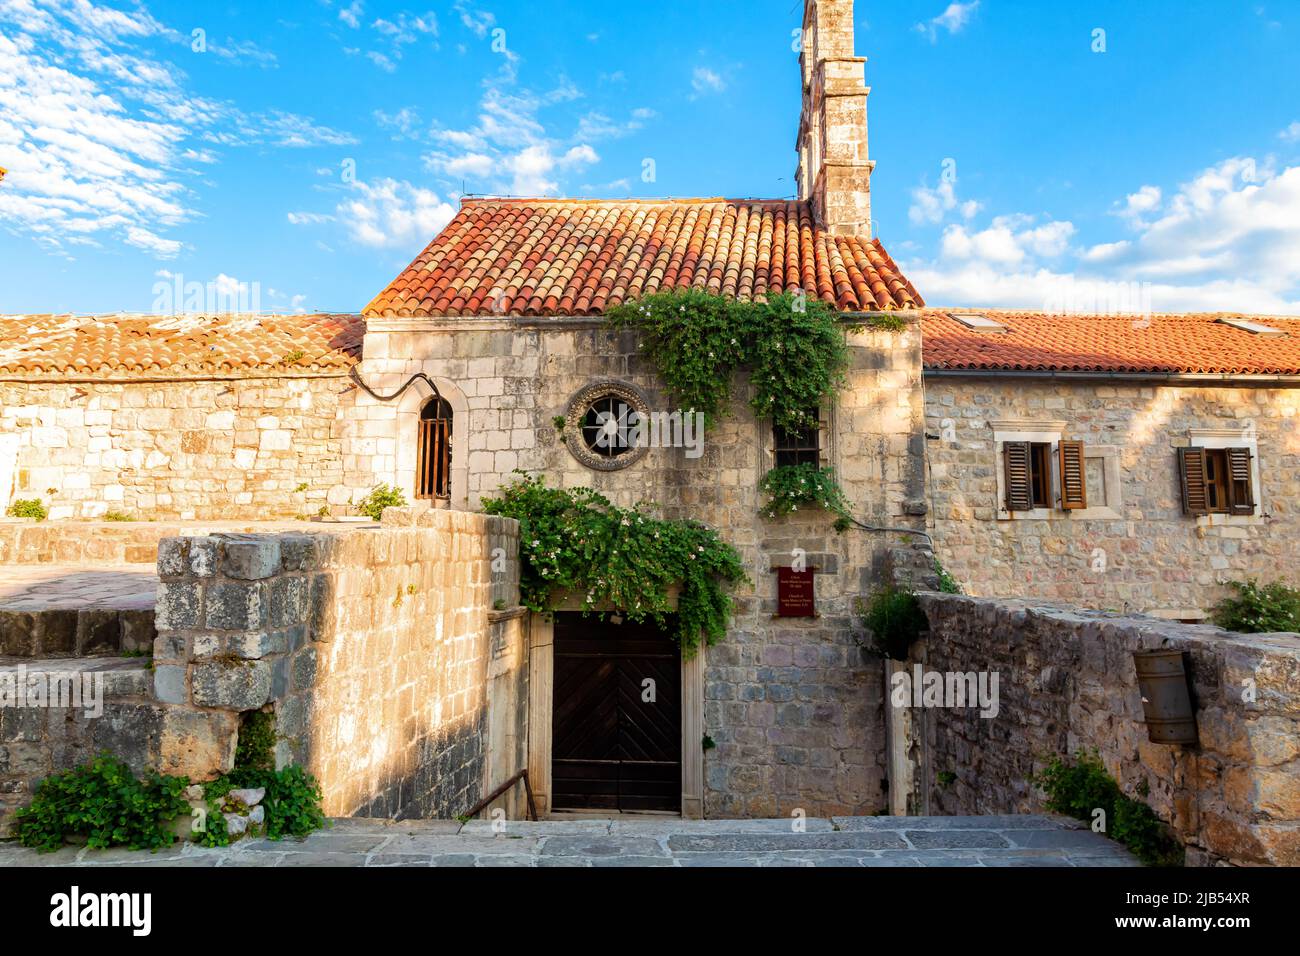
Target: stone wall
(106, 543)
(1141, 553)
(245, 448)
(1067, 682)
(372, 647)
(793, 706)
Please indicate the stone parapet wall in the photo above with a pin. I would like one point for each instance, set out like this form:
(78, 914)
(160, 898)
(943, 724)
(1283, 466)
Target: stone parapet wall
(107, 543)
(1067, 682)
(372, 646)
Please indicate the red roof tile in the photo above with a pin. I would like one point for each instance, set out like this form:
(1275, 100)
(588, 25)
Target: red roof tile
(57, 346)
(539, 257)
(1160, 343)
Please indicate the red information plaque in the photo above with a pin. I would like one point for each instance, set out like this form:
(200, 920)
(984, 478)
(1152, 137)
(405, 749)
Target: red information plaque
(794, 593)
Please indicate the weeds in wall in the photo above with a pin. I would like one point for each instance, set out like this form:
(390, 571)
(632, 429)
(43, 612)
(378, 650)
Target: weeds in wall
(381, 497)
(28, 508)
(894, 618)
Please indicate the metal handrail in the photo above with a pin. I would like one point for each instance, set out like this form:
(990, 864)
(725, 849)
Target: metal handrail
(528, 790)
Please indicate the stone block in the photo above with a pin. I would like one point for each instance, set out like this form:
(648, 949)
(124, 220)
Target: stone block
(236, 607)
(99, 631)
(58, 631)
(198, 744)
(298, 552)
(232, 685)
(179, 605)
(169, 684)
(251, 558)
(288, 601)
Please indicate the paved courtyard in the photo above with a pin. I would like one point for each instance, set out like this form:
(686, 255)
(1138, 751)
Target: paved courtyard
(43, 587)
(643, 841)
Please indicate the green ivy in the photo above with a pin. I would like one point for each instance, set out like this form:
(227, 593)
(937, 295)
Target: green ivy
(793, 346)
(1270, 609)
(381, 497)
(575, 540)
(1078, 789)
(104, 802)
(790, 487)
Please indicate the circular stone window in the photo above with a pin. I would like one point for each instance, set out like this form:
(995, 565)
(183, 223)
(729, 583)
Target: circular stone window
(602, 428)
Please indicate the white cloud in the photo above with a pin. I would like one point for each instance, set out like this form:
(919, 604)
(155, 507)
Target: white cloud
(476, 21)
(1228, 239)
(1291, 134)
(704, 81)
(391, 213)
(351, 14)
(933, 205)
(308, 218)
(953, 19)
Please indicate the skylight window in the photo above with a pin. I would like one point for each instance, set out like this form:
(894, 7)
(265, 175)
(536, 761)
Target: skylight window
(978, 322)
(1255, 328)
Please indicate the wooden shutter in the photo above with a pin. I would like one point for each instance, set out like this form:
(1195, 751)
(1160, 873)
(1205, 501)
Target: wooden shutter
(1074, 482)
(1191, 468)
(1241, 491)
(1020, 488)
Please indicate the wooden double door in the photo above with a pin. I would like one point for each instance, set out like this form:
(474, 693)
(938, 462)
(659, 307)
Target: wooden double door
(617, 716)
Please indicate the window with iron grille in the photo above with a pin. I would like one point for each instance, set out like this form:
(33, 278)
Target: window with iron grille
(433, 451)
(798, 446)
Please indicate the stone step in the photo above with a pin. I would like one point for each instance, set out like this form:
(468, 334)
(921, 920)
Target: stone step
(75, 632)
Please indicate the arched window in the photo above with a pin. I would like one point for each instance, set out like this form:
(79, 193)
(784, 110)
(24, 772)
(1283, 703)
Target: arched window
(433, 453)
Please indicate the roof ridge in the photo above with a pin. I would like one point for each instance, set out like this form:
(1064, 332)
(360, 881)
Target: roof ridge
(640, 200)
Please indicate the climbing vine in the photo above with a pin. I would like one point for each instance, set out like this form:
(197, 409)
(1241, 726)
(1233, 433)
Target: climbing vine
(575, 540)
(793, 347)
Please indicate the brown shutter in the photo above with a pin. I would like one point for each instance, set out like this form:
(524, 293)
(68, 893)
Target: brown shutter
(1191, 468)
(1020, 489)
(1241, 492)
(1074, 483)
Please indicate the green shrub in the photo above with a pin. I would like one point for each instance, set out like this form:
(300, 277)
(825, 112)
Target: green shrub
(1270, 609)
(255, 749)
(104, 802)
(1080, 788)
(381, 497)
(947, 583)
(292, 803)
(117, 516)
(895, 620)
(28, 508)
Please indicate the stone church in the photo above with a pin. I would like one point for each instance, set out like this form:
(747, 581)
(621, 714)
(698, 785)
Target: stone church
(1121, 462)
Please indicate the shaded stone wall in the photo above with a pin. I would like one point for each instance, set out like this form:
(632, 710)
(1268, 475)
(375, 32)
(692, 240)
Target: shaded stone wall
(1146, 556)
(246, 448)
(793, 705)
(1067, 682)
(371, 646)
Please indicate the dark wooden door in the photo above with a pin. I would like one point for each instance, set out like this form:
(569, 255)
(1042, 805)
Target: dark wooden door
(612, 747)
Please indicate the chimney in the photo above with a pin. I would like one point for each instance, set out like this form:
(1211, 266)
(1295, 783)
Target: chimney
(834, 171)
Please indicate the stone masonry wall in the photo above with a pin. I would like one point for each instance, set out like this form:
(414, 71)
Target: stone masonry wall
(250, 448)
(1146, 557)
(370, 645)
(1067, 682)
(106, 543)
(794, 706)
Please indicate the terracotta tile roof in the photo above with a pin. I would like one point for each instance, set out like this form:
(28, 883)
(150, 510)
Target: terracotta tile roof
(59, 346)
(1166, 343)
(571, 257)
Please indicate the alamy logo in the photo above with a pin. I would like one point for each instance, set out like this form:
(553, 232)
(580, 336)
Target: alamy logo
(59, 689)
(923, 688)
(625, 427)
(74, 909)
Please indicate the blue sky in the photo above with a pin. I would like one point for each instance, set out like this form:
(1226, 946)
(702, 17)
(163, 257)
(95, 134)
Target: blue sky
(309, 149)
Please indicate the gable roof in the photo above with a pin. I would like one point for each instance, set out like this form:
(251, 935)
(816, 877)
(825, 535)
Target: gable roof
(1163, 344)
(537, 257)
(137, 346)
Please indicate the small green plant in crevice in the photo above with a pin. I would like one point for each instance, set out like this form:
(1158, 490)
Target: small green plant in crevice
(255, 748)
(708, 743)
(28, 508)
(945, 778)
(136, 653)
(117, 516)
(947, 583)
(1255, 609)
(790, 486)
(499, 604)
(301, 487)
(1082, 787)
(559, 421)
(104, 802)
(895, 619)
(381, 497)
(883, 321)
(292, 358)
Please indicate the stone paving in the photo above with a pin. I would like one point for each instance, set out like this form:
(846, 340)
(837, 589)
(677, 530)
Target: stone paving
(1017, 841)
(45, 587)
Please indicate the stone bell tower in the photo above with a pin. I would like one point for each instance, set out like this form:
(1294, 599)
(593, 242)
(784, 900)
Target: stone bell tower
(834, 171)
